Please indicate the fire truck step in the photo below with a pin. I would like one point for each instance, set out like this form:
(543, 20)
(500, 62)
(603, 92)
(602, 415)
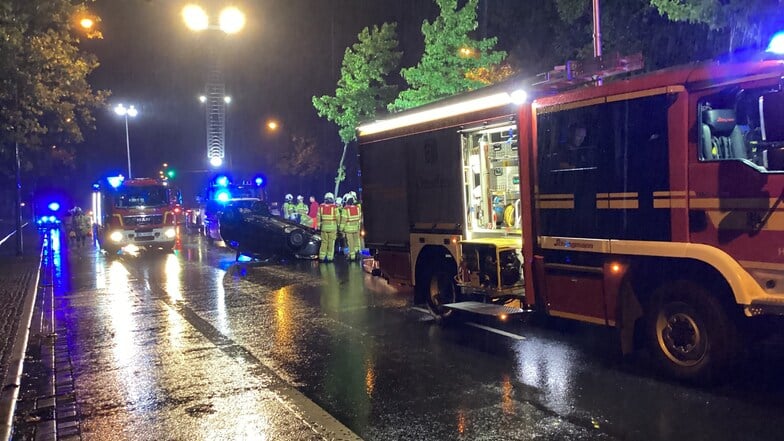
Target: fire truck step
(484, 308)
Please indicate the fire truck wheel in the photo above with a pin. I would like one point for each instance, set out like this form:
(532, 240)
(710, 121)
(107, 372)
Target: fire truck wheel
(690, 334)
(440, 291)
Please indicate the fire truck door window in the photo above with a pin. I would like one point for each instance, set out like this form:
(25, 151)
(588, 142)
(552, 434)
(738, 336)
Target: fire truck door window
(599, 167)
(732, 124)
(491, 170)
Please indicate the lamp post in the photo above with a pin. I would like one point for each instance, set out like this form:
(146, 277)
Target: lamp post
(230, 21)
(131, 111)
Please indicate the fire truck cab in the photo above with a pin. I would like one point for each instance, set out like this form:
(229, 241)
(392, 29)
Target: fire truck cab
(651, 204)
(134, 212)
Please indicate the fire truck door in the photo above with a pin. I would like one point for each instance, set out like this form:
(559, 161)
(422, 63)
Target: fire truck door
(575, 292)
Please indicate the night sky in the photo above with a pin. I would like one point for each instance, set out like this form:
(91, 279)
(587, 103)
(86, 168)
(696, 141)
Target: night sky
(289, 51)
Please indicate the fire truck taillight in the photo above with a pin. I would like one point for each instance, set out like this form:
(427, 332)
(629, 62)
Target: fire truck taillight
(615, 268)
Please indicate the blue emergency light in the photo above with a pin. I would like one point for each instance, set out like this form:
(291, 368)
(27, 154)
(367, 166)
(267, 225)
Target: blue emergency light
(54, 206)
(259, 181)
(222, 181)
(115, 181)
(776, 45)
(222, 196)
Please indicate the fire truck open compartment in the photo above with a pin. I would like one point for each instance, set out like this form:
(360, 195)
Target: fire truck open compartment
(491, 172)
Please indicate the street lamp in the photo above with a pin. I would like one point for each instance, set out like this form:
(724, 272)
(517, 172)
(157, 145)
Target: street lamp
(230, 20)
(131, 111)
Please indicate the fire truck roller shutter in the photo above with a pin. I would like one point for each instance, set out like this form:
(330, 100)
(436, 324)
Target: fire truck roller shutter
(721, 136)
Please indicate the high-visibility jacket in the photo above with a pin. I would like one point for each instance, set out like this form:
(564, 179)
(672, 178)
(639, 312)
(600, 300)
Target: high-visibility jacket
(350, 218)
(288, 210)
(301, 209)
(328, 217)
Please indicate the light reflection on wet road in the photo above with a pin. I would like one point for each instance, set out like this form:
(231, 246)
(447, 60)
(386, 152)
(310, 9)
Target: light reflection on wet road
(193, 346)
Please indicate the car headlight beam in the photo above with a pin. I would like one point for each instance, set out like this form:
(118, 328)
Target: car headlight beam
(116, 236)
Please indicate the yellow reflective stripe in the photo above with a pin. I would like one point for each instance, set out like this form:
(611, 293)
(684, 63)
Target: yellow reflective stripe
(614, 201)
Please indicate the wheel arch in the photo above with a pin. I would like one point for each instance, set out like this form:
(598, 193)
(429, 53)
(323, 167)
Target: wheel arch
(430, 257)
(646, 275)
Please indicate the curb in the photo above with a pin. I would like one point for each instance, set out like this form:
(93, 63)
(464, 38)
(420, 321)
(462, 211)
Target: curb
(12, 381)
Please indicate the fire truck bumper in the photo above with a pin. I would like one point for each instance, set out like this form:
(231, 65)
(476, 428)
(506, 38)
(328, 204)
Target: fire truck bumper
(154, 237)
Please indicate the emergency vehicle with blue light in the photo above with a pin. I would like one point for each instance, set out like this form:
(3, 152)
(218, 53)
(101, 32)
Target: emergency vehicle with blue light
(134, 213)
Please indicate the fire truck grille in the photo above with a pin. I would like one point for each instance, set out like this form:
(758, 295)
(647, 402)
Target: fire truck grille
(138, 221)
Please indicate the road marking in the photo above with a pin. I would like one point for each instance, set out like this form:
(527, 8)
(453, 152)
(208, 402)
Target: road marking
(477, 325)
(496, 331)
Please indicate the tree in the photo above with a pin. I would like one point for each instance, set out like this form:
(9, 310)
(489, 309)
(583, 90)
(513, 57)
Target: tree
(450, 55)
(297, 158)
(44, 93)
(631, 26)
(745, 20)
(362, 88)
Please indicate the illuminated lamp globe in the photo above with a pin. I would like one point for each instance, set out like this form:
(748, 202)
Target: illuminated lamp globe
(231, 20)
(195, 18)
(216, 161)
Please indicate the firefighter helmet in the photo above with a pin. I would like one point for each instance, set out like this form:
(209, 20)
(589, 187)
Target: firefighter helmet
(329, 197)
(289, 197)
(300, 198)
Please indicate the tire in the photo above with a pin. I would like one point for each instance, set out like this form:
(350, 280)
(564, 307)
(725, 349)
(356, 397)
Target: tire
(689, 332)
(296, 239)
(440, 289)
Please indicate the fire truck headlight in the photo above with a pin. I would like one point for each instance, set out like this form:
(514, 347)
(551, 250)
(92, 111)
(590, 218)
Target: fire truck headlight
(116, 236)
(169, 233)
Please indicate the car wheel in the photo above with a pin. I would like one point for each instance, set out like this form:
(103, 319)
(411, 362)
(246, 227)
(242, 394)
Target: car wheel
(296, 239)
(689, 332)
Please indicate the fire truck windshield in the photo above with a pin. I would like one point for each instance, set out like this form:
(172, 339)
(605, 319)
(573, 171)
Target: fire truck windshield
(151, 196)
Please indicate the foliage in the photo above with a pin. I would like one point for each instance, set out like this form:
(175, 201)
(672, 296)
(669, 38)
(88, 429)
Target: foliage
(745, 20)
(630, 26)
(44, 93)
(298, 157)
(492, 74)
(362, 88)
(450, 54)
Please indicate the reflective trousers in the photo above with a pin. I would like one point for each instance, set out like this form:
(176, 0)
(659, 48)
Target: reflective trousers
(353, 244)
(327, 249)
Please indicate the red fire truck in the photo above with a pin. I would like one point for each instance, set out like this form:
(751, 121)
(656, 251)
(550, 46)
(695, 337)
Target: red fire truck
(134, 212)
(651, 204)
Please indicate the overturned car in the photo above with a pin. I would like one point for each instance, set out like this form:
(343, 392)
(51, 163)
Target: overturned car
(255, 232)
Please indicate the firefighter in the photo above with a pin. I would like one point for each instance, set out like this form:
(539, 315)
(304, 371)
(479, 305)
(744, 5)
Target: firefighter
(302, 212)
(288, 208)
(350, 219)
(328, 220)
(81, 225)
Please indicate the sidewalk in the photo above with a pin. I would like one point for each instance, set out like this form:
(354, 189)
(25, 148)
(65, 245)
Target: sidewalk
(18, 276)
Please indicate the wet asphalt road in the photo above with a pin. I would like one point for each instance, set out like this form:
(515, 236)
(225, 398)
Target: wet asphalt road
(192, 345)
